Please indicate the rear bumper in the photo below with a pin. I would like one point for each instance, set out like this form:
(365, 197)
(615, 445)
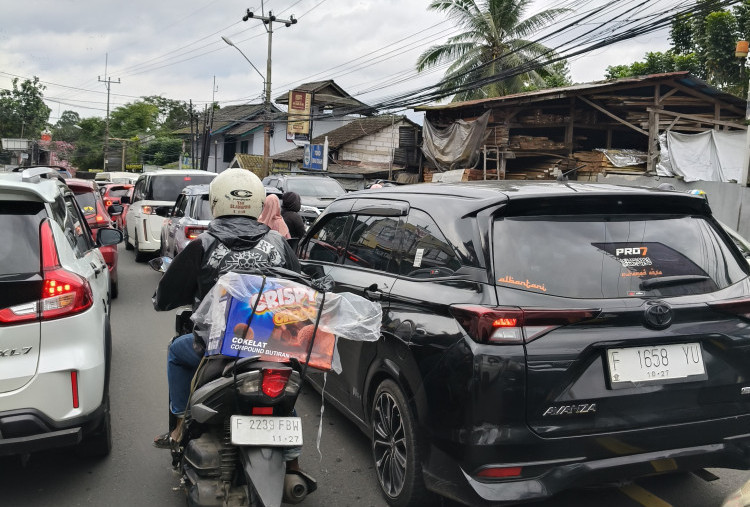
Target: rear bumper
(561, 464)
(29, 430)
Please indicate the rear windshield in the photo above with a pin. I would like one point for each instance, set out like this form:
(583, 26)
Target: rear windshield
(612, 257)
(168, 188)
(315, 187)
(117, 192)
(87, 203)
(20, 221)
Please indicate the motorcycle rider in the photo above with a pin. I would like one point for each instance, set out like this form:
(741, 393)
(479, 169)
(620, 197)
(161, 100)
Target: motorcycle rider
(234, 241)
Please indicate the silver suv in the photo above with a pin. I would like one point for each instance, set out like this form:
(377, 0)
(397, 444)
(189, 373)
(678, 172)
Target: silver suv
(55, 340)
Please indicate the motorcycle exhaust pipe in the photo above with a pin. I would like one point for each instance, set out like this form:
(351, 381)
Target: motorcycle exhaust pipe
(295, 488)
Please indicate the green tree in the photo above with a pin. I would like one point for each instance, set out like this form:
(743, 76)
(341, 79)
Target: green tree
(67, 128)
(132, 119)
(173, 114)
(23, 111)
(720, 40)
(162, 151)
(88, 153)
(494, 40)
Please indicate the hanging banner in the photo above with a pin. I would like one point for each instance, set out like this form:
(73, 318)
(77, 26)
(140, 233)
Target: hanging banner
(299, 121)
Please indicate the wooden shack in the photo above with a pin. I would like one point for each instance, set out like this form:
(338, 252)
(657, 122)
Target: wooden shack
(541, 134)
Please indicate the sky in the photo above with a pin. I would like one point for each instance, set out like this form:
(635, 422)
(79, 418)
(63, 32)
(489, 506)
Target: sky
(174, 49)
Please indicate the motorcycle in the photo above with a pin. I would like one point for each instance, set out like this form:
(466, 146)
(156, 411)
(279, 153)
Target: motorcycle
(239, 424)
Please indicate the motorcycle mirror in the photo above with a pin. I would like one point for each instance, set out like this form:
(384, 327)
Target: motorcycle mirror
(160, 264)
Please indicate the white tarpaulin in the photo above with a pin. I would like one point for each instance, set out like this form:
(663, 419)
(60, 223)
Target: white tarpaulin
(456, 146)
(708, 156)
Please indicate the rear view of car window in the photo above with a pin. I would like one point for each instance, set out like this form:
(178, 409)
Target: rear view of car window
(87, 202)
(612, 257)
(202, 209)
(315, 187)
(20, 221)
(168, 187)
(118, 192)
(427, 254)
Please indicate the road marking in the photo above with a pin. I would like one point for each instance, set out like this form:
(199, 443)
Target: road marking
(643, 497)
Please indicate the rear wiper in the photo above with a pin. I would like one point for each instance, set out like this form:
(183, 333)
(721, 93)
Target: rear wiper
(667, 281)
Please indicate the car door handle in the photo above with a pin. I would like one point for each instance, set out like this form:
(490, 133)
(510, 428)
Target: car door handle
(373, 293)
(98, 268)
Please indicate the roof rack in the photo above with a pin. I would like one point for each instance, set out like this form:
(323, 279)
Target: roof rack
(34, 175)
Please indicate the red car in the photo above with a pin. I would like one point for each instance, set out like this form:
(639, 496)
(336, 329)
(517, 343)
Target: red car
(112, 193)
(97, 215)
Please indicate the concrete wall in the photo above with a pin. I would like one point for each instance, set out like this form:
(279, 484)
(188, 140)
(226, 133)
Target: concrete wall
(729, 202)
(376, 148)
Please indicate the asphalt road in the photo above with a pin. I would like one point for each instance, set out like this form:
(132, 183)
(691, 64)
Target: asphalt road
(137, 474)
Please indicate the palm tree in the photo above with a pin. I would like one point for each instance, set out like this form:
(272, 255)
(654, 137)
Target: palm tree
(494, 43)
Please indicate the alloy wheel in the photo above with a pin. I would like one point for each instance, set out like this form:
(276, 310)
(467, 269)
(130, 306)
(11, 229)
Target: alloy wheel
(389, 444)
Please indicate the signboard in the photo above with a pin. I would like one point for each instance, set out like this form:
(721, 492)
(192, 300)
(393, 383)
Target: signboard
(314, 156)
(299, 122)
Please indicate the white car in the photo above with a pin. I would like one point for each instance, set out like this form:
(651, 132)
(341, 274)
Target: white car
(154, 196)
(55, 339)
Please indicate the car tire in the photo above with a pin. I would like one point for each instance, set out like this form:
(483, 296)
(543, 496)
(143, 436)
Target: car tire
(396, 449)
(99, 443)
(128, 246)
(139, 256)
(115, 290)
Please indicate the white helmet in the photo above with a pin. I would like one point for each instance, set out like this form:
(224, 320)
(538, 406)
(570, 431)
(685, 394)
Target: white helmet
(236, 192)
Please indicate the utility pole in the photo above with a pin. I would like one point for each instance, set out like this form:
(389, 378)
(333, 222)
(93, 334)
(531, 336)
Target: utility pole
(108, 82)
(268, 23)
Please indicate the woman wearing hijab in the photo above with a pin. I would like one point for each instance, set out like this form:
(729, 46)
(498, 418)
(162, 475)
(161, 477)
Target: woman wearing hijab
(271, 216)
(290, 206)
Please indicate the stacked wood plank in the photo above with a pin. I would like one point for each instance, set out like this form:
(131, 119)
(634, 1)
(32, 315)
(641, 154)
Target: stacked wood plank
(596, 162)
(534, 143)
(459, 175)
(497, 135)
(537, 117)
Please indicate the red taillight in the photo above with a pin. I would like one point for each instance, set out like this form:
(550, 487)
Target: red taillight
(63, 293)
(739, 307)
(187, 178)
(74, 386)
(192, 231)
(500, 472)
(274, 381)
(108, 203)
(262, 411)
(496, 325)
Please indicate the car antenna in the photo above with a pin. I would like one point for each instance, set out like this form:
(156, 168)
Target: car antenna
(564, 176)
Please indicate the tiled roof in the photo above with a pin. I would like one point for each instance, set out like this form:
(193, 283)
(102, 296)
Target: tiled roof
(228, 115)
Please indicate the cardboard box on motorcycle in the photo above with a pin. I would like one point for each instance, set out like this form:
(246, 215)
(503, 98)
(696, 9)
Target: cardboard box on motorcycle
(284, 320)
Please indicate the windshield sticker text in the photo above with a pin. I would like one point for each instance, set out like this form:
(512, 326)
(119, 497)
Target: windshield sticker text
(630, 262)
(649, 272)
(522, 283)
(641, 250)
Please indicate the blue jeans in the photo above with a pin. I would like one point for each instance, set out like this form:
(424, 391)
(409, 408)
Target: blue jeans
(182, 362)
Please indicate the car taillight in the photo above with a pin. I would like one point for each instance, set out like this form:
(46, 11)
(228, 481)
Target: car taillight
(63, 292)
(497, 325)
(739, 307)
(147, 210)
(108, 203)
(193, 231)
(500, 472)
(274, 381)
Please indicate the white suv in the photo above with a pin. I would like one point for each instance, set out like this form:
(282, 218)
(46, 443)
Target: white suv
(55, 341)
(154, 196)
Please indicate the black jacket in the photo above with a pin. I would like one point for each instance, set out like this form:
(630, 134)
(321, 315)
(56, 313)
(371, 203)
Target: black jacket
(231, 243)
(291, 203)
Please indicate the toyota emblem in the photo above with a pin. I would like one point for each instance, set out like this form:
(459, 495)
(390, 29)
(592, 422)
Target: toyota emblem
(658, 315)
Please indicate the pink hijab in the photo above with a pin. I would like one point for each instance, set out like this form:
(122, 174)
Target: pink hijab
(271, 216)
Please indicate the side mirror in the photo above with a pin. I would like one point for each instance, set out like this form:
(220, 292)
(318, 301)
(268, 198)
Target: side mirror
(115, 209)
(178, 213)
(160, 264)
(107, 237)
(125, 199)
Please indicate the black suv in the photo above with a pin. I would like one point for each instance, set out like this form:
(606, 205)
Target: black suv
(538, 336)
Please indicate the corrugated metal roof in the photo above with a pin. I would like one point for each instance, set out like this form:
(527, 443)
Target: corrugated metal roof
(682, 77)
